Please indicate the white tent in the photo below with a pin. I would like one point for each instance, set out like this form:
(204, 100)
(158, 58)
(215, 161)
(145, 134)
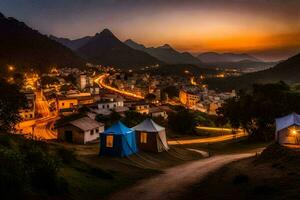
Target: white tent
(287, 129)
(151, 136)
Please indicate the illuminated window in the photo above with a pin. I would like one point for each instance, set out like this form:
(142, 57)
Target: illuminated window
(109, 141)
(143, 137)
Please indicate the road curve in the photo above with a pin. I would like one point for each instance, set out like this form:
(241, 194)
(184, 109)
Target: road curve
(176, 180)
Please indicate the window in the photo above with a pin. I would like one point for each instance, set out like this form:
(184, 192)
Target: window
(109, 141)
(71, 105)
(143, 137)
(92, 132)
(62, 104)
(97, 130)
(103, 106)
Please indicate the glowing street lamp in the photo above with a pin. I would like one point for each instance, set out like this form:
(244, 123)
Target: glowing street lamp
(11, 68)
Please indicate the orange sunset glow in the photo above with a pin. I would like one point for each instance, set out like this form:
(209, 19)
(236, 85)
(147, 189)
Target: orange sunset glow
(269, 29)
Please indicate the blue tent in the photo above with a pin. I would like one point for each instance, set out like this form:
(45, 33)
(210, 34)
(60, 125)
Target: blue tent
(118, 140)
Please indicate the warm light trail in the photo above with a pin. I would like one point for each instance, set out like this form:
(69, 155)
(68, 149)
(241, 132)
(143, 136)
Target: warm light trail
(207, 140)
(101, 81)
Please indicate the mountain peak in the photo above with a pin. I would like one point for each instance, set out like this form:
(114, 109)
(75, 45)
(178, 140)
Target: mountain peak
(1, 15)
(130, 41)
(166, 46)
(106, 32)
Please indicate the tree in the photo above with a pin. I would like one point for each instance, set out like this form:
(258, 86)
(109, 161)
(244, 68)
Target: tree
(183, 121)
(150, 97)
(110, 119)
(256, 110)
(48, 80)
(172, 91)
(132, 118)
(11, 101)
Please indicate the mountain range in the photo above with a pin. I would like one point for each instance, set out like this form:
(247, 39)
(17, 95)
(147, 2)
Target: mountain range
(72, 44)
(165, 53)
(287, 71)
(106, 49)
(213, 57)
(24, 47)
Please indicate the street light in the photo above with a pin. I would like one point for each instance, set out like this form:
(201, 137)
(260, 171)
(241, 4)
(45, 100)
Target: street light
(11, 68)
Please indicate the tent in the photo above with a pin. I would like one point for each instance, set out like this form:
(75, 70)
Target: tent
(118, 140)
(151, 136)
(288, 129)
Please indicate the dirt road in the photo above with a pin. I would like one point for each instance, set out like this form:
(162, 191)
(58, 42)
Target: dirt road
(174, 181)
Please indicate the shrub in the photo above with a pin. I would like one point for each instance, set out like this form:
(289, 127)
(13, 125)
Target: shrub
(13, 177)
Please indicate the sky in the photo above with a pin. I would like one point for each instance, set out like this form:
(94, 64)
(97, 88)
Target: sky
(268, 29)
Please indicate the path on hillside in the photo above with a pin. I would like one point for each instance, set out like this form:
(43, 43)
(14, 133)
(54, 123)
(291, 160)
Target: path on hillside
(176, 180)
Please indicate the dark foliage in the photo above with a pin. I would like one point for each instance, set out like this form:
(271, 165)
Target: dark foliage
(47, 80)
(28, 165)
(183, 121)
(256, 110)
(171, 91)
(11, 101)
(133, 118)
(108, 120)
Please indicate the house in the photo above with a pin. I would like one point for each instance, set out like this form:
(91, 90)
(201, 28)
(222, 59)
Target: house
(158, 112)
(189, 96)
(66, 103)
(80, 131)
(118, 140)
(288, 129)
(28, 112)
(110, 104)
(151, 136)
(141, 107)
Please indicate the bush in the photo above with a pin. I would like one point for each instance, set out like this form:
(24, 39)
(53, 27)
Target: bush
(183, 121)
(13, 177)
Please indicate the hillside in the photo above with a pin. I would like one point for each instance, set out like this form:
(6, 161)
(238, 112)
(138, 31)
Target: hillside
(165, 53)
(287, 71)
(272, 175)
(25, 47)
(106, 49)
(181, 69)
(213, 57)
(71, 44)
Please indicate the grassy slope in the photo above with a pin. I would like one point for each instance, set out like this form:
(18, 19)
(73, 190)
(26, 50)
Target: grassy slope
(273, 175)
(86, 184)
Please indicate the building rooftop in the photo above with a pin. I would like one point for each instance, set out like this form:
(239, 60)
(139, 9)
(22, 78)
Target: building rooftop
(86, 123)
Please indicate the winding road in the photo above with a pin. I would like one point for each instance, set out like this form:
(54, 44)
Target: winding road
(176, 180)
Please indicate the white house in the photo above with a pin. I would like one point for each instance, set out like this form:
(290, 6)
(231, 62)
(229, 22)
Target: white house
(80, 131)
